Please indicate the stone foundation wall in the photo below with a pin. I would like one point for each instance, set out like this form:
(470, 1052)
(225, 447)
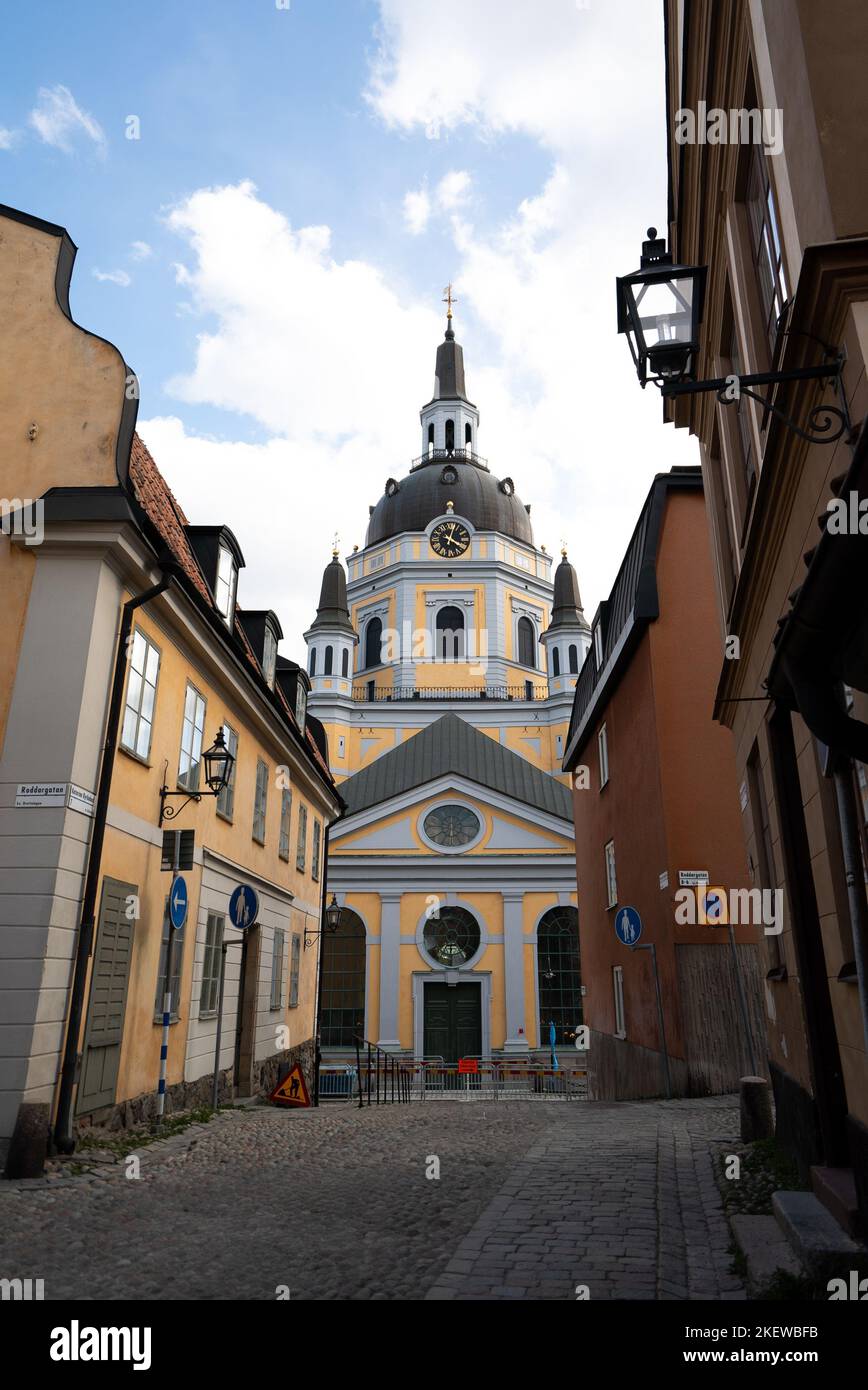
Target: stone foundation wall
(621, 1070)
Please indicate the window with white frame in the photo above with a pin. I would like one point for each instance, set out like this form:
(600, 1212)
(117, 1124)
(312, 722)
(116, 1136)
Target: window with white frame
(314, 856)
(227, 582)
(603, 750)
(285, 816)
(277, 952)
(294, 971)
(611, 881)
(301, 847)
(618, 987)
(191, 740)
(226, 795)
(141, 696)
(269, 656)
(260, 801)
(300, 705)
(210, 991)
(598, 645)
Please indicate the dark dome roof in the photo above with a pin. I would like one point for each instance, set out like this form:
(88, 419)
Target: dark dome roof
(485, 501)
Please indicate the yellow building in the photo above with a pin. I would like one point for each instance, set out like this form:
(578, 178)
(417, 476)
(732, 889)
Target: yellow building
(442, 666)
(124, 652)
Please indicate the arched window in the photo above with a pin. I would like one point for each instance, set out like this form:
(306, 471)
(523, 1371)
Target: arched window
(430, 438)
(312, 666)
(329, 660)
(574, 658)
(468, 436)
(450, 634)
(526, 642)
(559, 974)
(374, 642)
(556, 662)
(345, 662)
(343, 982)
(450, 436)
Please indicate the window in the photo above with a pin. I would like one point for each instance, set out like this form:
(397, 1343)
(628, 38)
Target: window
(618, 985)
(345, 662)
(556, 662)
(373, 642)
(430, 438)
(450, 634)
(764, 870)
(452, 938)
(227, 580)
(300, 705)
(598, 645)
(269, 656)
(603, 750)
(329, 660)
(526, 642)
(611, 881)
(191, 740)
(312, 663)
(450, 436)
(260, 801)
(343, 982)
(294, 970)
(742, 414)
(558, 974)
(141, 695)
(765, 241)
(574, 659)
(468, 436)
(226, 798)
(277, 968)
(301, 847)
(210, 992)
(314, 858)
(177, 959)
(285, 814)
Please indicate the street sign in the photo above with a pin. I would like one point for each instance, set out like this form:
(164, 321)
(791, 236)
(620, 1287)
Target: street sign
(292, 1090)
(185, 841)
(712, 907)
(692, 878)
(243, 906)
(628, 926)
(467, 1066)
(178, 902)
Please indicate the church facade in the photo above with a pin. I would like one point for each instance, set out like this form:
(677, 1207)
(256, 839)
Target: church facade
(442, 662)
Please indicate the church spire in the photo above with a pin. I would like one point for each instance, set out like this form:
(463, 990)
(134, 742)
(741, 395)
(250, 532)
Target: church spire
(333, 612)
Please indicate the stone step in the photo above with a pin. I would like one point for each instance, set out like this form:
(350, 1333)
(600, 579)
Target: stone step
(767, 1251)
(825, 1250)
(836, 1189)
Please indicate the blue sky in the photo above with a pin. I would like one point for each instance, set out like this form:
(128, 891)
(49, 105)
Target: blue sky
(305, 182)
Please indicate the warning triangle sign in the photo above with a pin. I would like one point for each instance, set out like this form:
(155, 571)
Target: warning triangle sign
(292, 1090)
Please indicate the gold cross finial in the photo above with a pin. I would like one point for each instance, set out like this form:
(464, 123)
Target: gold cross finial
(564, 549)
(335, 546)
(449, 299)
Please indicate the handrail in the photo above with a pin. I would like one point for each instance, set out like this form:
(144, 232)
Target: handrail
(449, 456)
(386, 693)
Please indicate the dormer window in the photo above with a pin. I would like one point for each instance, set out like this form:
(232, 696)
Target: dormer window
(269, 656)
(227, 583)
(300, 706)
(598, 644)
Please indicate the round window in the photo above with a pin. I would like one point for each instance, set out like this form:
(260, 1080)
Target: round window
(452, 937)
(451, 826)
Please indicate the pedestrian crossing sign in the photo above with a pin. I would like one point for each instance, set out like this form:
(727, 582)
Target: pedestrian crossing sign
(292, 1090)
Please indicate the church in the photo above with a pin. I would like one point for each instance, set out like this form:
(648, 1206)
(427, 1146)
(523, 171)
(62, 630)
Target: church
(442, 662)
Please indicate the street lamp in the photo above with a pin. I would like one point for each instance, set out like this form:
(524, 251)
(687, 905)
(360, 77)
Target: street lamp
(332, 917)
(218, 772)
(660, 308)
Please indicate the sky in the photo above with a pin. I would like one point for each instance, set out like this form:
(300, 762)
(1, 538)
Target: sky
(269, 196)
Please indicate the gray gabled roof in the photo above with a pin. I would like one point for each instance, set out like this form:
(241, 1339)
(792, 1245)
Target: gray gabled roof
(451, 745)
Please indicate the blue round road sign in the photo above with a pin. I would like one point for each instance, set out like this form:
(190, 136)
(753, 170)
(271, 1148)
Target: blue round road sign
(628, 926)
(178, 902)
(243, 906)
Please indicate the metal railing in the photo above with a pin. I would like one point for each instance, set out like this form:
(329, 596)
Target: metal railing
(449, 456)
(385, 693)
(386, 1077)
(336, 1081)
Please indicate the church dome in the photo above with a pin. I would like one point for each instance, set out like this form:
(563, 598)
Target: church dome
(488, 503)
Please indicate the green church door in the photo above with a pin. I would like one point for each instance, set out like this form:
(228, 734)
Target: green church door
(453, 1021)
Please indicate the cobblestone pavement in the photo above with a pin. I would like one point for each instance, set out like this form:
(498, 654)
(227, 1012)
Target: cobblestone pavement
(532, 1199)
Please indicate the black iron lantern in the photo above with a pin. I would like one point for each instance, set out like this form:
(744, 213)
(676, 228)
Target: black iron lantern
(218, 764)
(333, 914)
(660, 309)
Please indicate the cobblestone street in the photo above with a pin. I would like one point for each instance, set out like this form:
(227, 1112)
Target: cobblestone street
(532, 1199)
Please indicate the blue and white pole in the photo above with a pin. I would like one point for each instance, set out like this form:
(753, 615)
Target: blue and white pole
(167, 995)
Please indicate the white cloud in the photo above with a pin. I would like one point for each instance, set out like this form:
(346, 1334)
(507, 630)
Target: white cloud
(453, 189)
(417, 210)
(114, 277)
(8, 138)
(59, 120)
(140, 250)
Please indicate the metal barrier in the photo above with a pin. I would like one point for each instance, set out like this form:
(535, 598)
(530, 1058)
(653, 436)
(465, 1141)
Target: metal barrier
(386, 1078)
(336, 1082)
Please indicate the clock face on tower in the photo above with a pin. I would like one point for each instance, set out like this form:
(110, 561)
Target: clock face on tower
(449, 539)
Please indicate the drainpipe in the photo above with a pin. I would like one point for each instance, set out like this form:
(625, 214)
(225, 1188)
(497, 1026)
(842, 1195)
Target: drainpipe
(63, 1137)
(855, 877)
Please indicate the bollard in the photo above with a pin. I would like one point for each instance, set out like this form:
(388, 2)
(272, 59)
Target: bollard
(29, 1144)
(755, 1107)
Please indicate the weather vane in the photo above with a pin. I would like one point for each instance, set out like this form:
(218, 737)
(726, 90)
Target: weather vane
(335, 546)
(564, 548)
(449, 299)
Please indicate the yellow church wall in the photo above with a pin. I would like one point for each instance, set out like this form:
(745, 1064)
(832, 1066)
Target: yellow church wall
(355, 843)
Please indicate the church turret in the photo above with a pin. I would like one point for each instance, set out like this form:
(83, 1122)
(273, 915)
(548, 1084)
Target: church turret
(568, 635)
(330, 638)
(450, 421)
